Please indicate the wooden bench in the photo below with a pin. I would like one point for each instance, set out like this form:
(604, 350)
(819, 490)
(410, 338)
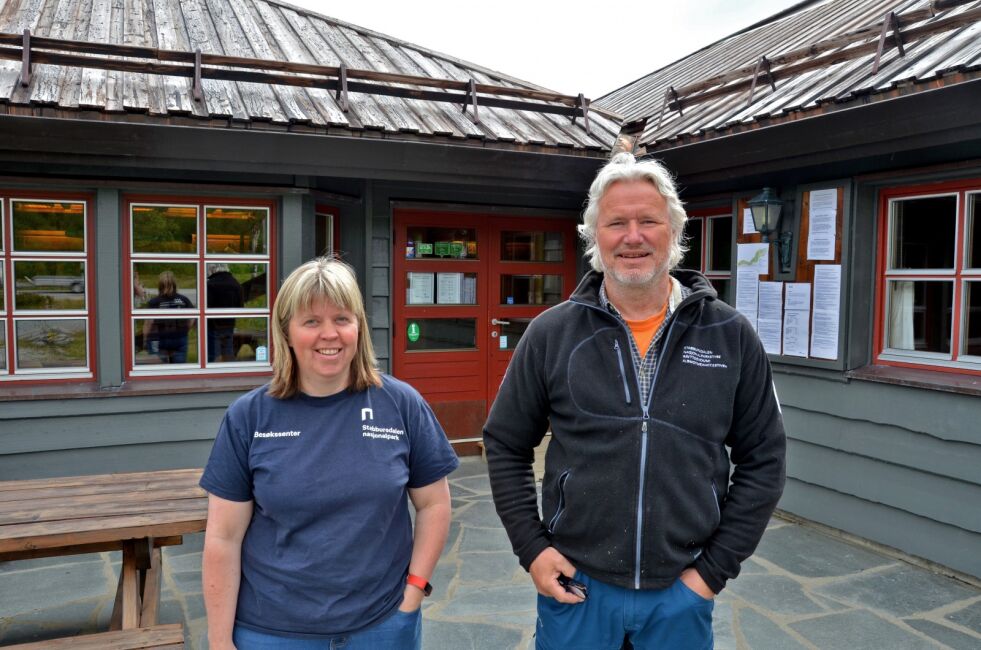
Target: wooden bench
(159, 637)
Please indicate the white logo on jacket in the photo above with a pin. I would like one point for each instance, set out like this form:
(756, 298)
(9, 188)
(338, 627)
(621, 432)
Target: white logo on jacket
(701, 357)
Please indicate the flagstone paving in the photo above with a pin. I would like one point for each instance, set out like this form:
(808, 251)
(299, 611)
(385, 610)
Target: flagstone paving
(802, 589)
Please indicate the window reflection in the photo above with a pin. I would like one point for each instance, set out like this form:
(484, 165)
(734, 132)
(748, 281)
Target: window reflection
(236, 231)
(3, 348)
(924, 232)
(531, 246)
(238, 340)
(51, 343)
(165, 340)
(146, 281)
(531, 289)
(51, 226)
(49, 285)
(441, 334)
(164, 229)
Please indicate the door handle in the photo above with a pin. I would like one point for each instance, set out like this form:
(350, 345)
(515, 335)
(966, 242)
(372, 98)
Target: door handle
(494, 321)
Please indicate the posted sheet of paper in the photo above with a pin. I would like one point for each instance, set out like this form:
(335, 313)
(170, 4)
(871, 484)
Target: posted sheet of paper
(768, 323)
(420, 290)
(827, 311)
(749, 228)
(747, 292)
(753, 256)
(449, 288)
(821, 232)
(796, 317)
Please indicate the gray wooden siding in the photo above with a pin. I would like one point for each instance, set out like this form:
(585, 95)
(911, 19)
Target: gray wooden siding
(893, 464)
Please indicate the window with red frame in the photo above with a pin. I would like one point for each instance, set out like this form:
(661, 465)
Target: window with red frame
(709, 240)
(199, 291)
(45, 282)
(930, 277)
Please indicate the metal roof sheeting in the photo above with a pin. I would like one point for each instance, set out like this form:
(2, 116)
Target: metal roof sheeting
(926, 59)
(272, 30)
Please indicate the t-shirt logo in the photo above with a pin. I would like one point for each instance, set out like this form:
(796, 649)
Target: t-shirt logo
(702, 357)
(367, 414)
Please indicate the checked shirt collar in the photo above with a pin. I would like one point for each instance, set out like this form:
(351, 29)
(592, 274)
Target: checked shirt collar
(644, 366)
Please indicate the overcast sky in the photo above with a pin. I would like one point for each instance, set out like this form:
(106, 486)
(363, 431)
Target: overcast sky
(571, 46)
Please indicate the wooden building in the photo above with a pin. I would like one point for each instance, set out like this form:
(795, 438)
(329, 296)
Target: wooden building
(862, 116)
(217, 144)
(238, 138)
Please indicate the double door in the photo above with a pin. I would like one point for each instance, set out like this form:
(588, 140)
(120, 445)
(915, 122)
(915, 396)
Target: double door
(465, 288)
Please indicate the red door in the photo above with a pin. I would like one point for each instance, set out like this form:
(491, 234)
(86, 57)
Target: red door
(465, 287)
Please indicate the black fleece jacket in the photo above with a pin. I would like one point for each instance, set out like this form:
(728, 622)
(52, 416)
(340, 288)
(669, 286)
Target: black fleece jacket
(636, 490)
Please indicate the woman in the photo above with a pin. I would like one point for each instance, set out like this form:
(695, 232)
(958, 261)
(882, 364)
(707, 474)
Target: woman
(167, 337)
(309, 541)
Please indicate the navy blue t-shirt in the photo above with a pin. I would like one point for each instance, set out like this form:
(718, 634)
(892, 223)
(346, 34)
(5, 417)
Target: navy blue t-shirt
(330, 539)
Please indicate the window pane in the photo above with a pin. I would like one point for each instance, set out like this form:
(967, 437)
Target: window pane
(920, 316)
(441, 288)
(152, 278)
(165, 340)
(165, 229)
(531, 246)
(721, 287)
(51, 343)
(233, 286)
(924, 233)
(236, 231)
(972, 325)
(49, 285)
(3, 347)
(441, 243)
(511, 333)
(441, 334)
(720, 246)
(693, 239)
(241, 340)
(973, 238)
(49, 226)
(531, 289)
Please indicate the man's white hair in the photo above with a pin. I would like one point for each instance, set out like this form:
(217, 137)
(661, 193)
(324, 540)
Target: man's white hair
(624, 167)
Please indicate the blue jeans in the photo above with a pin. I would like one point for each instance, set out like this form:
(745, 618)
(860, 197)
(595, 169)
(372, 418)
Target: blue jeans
(675, 617)
(400, 631)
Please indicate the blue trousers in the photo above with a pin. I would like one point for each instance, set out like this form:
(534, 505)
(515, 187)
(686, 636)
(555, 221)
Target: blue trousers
(672, 618)
(400, 631)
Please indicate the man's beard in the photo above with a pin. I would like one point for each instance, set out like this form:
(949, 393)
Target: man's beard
(638, 278)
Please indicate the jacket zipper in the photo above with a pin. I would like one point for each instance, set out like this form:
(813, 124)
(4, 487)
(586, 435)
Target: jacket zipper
(560, 508)
(643, 448)
(623, 373)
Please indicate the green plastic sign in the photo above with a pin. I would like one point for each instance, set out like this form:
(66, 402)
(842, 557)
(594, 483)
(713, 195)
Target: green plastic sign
(413, 332)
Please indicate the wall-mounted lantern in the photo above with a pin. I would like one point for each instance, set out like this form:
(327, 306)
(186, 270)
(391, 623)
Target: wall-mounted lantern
(767, 209)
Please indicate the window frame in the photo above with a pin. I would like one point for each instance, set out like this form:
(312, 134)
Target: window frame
(708, 216)
(201, 259)
(958, 276)
(10, 315)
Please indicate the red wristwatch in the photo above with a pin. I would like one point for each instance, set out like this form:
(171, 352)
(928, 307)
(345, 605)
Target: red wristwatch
(420, 583)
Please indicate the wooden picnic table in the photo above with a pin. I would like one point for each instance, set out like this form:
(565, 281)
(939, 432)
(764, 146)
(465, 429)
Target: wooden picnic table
(136, 513)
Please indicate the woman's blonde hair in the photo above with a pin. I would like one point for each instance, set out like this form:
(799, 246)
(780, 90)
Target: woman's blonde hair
(167, 284)
(333, 281)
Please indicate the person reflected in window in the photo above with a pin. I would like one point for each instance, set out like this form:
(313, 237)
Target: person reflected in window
(224, 292)
(167, 337)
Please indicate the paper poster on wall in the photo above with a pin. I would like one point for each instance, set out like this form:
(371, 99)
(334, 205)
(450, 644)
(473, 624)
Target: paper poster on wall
(821, 233)
(449, 288)
(827, 312)
(420, 289)
(747, 292)
(796, 319)
(768, 323)
(749, 228)
(753, 256)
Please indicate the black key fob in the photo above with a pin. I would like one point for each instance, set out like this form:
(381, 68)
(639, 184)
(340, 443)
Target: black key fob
(574, 587)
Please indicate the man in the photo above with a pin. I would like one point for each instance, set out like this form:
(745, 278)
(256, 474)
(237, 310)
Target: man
(645, 379)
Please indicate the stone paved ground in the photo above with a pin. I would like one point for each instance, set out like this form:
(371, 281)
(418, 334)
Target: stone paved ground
(802, 589)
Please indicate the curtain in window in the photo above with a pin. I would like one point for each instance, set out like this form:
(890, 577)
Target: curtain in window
(901, 316)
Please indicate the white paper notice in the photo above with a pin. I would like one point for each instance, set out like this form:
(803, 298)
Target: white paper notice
(747, 292)
(770, 312)
(449, 288)
(796, 319)
(420, 290)
(749, 228)
(823, 223)
(753, 256)
(827, 312)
